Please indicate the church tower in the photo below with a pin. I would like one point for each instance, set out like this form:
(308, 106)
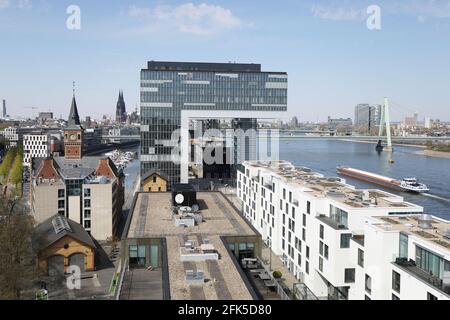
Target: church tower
(73, 134)
(121, 113)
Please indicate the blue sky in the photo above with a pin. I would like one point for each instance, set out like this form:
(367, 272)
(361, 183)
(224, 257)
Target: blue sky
(334, 61)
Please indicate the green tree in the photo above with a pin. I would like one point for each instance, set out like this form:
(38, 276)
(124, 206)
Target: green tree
(5, 167)
(17, 170)
(429, 145)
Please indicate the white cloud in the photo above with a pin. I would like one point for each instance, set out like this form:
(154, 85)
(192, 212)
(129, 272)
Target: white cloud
(202, 19)
(4, 4)
(422, 9)
(20, 4)
(337, 13)
(24, 4)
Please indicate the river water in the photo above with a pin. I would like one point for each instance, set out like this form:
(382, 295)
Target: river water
(325, 155)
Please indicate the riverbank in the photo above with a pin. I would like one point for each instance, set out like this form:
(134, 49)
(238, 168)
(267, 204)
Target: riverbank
(434, 154)
(394, 144)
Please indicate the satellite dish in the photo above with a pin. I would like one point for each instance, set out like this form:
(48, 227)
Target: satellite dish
(179, 198)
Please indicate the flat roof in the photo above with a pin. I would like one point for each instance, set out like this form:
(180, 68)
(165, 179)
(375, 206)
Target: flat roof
(318, 185)
(152, 218)
(204, 67)
(438, 233)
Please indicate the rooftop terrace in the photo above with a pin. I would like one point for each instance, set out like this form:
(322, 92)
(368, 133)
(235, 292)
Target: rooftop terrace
(438, 233)
(152, 218)
(320, 186)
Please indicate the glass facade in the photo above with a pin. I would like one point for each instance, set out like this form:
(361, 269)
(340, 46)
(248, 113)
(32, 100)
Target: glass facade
(167, 88)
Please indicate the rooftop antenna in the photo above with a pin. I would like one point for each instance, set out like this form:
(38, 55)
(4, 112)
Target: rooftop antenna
(73, 88)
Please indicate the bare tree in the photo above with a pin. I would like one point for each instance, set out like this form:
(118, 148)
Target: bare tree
(17, 259)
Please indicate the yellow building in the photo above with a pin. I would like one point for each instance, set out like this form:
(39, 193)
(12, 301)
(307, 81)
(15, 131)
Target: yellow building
(154, 181)
(61, 243)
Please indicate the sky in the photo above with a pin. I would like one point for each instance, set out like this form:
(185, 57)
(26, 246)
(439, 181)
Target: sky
(334, 60)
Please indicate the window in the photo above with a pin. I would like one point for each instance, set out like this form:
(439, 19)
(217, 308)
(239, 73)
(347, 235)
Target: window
(394, 297)
(307, 267)
(61, 204)
(428, 261)
(320, 263)
(321, 248)
(307, 252)
(61, 212)
(326, 252)
(154, 179)
(304, 234)
(299, 260)
(87, 203)
(284, 194)
(361, 258)
(304, 220)
(87, 192)
(87, 224)
(339, 215)
(395, 281)
(87, 214)
(290, 196)
(308, 207)
(368, 284)
(321, 231)
(431, 297)
(345, 240)
(61, 193)
(403, 246)
(349, 276)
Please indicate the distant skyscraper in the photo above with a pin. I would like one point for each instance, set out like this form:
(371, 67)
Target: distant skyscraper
(121, 114)
(367, 117)
(4, 109)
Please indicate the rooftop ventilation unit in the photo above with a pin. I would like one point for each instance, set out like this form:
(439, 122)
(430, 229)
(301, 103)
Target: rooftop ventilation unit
(425, 221)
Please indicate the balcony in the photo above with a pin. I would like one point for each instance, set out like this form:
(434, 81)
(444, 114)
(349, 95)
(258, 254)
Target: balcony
(331, 222)
(413, 270)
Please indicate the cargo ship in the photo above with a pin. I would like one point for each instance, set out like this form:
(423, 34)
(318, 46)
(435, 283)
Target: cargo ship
(406, 184)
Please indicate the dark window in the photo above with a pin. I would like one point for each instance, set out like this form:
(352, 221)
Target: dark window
(61, 193)
(321, 232)
(87, 224)
(361, 258)
(304, 234)
(320, 263)
(368, 284)
(321, 248)
(345, 240)
(431, 297)
(87, 214)
(349, 276)
(87, 203)
(87, 192)
(304, 220)
(61, 204)
(307, 267)
(325, 252)
(308, 207)
(154, 179)
(395, 281)
(307, 252)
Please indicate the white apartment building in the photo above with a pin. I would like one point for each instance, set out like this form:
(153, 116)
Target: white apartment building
(35, 145)
(330, 235)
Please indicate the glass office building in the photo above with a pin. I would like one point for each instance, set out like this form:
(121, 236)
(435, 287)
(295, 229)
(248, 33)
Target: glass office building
(169, 88)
